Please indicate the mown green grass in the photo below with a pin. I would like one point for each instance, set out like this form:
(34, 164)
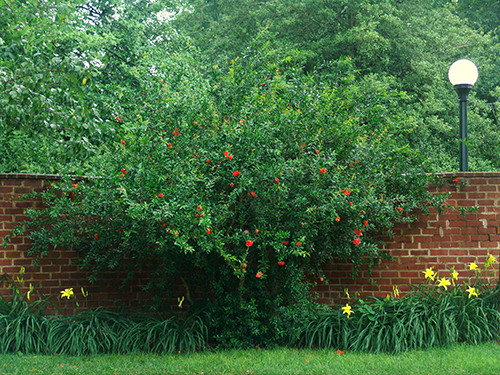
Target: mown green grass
(458, 359)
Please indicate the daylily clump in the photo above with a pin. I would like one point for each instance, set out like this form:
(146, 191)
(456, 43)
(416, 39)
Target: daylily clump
(471, 286)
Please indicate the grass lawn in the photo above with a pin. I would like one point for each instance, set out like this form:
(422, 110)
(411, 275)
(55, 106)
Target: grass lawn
(459, 359)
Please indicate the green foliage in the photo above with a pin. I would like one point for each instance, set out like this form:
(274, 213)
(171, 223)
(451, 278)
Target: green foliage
(46, 77)
(406, 46)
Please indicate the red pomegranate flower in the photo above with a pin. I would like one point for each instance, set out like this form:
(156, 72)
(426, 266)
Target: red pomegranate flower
(209, 230)
(236, 173)
(259, 275)
(322, 170)
(356, 241)
(249, 243)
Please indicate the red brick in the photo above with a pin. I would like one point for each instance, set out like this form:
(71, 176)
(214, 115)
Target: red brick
(477, 195)
(12, 182)
(483, 237)
(488, 244)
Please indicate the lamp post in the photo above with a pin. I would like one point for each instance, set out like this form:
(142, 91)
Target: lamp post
(462, 75)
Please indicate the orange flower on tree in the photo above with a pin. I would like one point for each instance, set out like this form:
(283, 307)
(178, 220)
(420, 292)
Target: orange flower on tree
(347, 192)
(356, 241)
(258, 275)
(236, 173)
(322, 170)
(249, 243)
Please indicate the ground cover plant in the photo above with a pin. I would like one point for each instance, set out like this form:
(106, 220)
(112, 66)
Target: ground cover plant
(438, 312)
(25, 327)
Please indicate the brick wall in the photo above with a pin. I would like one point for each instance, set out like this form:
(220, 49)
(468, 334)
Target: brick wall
(437, 240)
(57, 271)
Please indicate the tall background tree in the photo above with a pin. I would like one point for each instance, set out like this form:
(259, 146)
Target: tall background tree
(399, 45)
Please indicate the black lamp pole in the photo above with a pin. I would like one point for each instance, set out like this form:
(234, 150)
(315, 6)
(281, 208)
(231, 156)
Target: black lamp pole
(463, 98)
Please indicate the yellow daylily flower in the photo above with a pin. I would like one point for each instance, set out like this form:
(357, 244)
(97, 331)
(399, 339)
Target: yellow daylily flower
(454, 275)
(347, 310)
(489, 262)
(346, 291)
(473, 266)
(68, 293)
(444, 282)
(395, 291)
(429, 273)
(28, 295)
(472, 292)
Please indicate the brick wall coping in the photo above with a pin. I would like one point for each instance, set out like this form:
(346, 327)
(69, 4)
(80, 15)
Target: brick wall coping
(35, 176)
(29, 176)
(468, 174)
